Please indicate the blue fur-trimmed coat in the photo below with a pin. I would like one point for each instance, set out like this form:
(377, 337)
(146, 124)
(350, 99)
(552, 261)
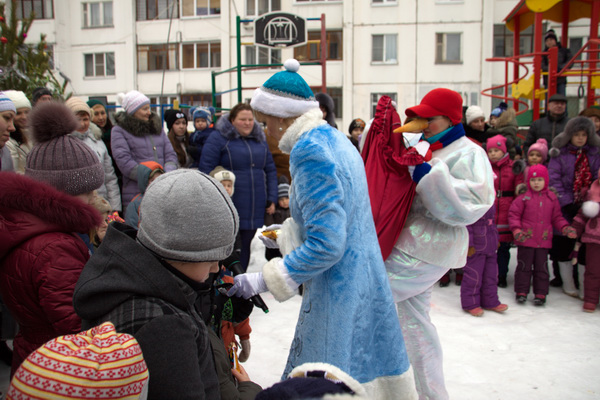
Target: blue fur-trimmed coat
(251, 161)
(347, 318)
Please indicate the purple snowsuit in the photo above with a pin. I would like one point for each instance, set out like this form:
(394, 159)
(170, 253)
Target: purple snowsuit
(479, 284)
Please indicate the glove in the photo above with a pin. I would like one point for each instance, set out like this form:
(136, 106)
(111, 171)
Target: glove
(569, 232)
(290, 237)
(268, 242)
(520, 236)
(248, 285)
(245, 353)
(471, 251)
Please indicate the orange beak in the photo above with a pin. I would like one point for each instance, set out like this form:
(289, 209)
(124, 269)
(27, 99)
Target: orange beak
(416, 125)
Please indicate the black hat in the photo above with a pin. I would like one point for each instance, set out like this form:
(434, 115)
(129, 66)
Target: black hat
(39, 92)
(172, 115)
(550, 34)
(557, 97)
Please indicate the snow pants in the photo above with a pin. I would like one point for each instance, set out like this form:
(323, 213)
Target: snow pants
(479, 285)
(591, 276)
(532, 261)
(412, 282)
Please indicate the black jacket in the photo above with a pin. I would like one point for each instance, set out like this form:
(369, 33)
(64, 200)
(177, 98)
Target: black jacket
(126, 284)
(547, 127)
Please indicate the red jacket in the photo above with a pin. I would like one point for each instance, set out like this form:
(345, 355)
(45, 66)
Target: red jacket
(505, 182)
(41, 259)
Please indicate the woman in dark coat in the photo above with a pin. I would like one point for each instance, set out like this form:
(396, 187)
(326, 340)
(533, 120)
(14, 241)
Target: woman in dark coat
(240, 146)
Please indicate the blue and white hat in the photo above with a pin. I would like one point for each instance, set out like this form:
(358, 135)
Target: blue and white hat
(203, 112)
(286, 94)
(6, 103)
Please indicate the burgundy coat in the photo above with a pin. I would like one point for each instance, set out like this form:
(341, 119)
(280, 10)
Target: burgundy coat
(505, 182)
(536, 213)
(41, 258)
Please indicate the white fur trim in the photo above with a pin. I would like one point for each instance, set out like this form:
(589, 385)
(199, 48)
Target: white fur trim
(393, 387)
(281, 286)
(280, 106)
(337, 373)
(304, 123)
(590, 209)
(290, 237)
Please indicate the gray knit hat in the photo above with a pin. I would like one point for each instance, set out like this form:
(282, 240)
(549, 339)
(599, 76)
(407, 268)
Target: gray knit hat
(188, 216)
(57, 158)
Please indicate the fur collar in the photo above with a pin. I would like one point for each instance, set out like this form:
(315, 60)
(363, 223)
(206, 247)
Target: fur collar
(228, 130)
(304, 123)
(59, 210)
(507, 118)
(137, 127)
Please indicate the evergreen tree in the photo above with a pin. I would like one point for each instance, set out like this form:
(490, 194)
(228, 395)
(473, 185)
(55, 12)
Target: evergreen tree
(23, 66)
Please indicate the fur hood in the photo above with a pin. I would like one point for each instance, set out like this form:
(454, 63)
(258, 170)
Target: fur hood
(575, 125)
(137, 127)
(228, 130)
(30, 208)
(507, 118)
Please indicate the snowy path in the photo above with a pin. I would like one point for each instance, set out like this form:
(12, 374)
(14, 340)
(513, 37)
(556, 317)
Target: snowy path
(550, 352)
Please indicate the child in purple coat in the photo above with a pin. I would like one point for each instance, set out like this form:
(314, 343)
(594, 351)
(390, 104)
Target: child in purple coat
(531, 218)
(480, 274)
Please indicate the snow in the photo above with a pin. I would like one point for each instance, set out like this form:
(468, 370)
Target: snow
(549, 352)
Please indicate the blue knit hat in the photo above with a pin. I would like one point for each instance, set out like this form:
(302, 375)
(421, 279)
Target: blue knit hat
(496, 112)
(6, 103)
(203, 112)
(285, 94)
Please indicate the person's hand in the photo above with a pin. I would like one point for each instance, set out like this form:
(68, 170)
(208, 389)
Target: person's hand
(241, 375)
(271, 209)
(267, 241)
(245, 353)
(471, 251)
(569, 232)
(520, 236)
(248, 285)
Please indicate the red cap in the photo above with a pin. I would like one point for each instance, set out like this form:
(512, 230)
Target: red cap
(444, 102)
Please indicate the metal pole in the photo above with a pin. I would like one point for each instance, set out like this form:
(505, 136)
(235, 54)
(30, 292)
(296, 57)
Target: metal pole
(323, 55)
(537, 63)
(592, 55)
(239, 57)
(516, 53)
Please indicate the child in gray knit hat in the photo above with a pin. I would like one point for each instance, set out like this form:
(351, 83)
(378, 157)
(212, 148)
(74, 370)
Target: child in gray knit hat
(152, 283)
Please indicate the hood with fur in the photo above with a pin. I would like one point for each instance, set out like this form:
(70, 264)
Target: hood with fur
(507, 118)
(227, 129)
(575, 125)
(137, 127)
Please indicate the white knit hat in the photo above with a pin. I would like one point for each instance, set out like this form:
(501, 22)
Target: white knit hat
(6, 103)
(474, 112)
(285, 94)
(132, 101)
(18, 98)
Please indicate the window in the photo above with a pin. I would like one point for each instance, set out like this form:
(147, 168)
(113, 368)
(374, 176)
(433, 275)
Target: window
(447, 50)
(262, 55)
(259, 7)
(503, 40)
(42, 9)
(312, 51)
(156, 9)
(575, 44)
(375, 98)
(384, 49)
(99, 64)
(96, 14)
(193, 8)
(156, 57)
(315, 1)
(201, 55)
(384, 1)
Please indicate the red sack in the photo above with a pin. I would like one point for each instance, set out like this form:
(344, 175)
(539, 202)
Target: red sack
(391, 188)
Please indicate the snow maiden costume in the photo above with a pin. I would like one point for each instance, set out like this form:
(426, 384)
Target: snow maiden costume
(347, 317)
(454, 189)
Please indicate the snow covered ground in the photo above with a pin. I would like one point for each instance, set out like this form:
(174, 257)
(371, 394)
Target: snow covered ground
(549, 352)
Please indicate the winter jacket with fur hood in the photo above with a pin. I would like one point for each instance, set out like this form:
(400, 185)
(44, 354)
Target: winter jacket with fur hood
(110, 189)
(249, 158)
(41, 258)
(133, 141)
(587, 220)
(506, 125)
(564, 154)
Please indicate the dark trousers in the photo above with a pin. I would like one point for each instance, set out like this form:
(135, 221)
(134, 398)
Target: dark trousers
(591, 276)
(503, 257)
(479, 284)
(532, 262)
(246, 236)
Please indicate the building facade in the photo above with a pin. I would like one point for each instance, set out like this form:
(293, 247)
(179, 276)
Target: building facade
(168, 48)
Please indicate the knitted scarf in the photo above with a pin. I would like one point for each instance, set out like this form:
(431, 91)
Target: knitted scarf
(583, 176)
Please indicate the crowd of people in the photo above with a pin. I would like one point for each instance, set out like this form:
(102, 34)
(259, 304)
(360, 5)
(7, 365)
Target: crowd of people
(119, 233)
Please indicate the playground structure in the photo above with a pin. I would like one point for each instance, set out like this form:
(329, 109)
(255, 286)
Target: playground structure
(526, 68)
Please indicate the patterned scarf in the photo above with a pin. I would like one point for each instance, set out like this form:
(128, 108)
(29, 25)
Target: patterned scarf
(583, 176)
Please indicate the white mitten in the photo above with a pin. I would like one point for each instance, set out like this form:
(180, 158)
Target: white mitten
(245, 353)
(290, 238)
